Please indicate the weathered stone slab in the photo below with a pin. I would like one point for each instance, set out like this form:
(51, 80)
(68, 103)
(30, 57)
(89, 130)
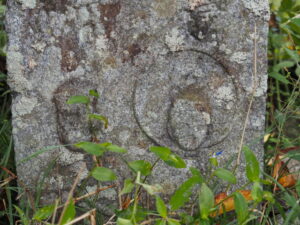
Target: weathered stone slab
(177, 73)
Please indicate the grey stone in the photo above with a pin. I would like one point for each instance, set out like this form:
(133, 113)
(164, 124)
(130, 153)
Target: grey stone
(176, 73)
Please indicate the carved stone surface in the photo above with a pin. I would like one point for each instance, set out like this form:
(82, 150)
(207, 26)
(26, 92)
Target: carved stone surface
(177, 73)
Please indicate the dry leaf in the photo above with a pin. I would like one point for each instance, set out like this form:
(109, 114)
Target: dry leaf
(228, 204)
(287, 181)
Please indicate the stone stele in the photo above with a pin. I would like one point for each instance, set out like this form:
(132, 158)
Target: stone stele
(175, 73)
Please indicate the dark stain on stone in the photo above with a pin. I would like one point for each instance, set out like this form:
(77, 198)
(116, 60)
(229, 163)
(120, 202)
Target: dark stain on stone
(133, 50)
(70, 52)
(108, 16)
(110, 61)
(142, 144)
(141, 14)
(143, 37)
(55, 5)
(33, 21)
(96, 65)
(197, 95)
(195, 26)
(216, 82)
(199, 27)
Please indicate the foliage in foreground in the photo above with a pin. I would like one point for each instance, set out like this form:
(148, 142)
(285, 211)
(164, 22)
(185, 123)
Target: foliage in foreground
(256, 205)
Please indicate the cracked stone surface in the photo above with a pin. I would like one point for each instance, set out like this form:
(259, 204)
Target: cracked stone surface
(177, 73)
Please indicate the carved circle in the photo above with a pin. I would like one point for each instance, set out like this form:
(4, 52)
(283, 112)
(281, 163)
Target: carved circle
(188, 99)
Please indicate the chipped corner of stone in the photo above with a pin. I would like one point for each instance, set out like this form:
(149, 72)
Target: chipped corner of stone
(259, 8)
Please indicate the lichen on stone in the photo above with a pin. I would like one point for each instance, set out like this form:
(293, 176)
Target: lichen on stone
(257, 7)
(28, 4)
(25, 105)
(15, 63)
(175, 39)
(165, 8)
(240, 57)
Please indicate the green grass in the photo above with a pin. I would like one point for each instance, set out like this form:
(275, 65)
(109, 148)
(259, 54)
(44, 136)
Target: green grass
(6, 157)
(7, 180)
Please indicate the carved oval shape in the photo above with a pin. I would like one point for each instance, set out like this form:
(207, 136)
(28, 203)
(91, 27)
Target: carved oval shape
(191, 107)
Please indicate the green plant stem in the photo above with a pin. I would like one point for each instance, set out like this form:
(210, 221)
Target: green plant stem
(145, 179)
(136, 197)
(138, 192)
(90, 124)
(10, 206)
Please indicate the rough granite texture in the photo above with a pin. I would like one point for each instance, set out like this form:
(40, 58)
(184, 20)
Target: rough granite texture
(176, 73)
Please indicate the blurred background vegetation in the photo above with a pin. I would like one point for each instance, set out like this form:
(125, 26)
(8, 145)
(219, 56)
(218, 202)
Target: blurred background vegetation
(283, 102)
(6, 150)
